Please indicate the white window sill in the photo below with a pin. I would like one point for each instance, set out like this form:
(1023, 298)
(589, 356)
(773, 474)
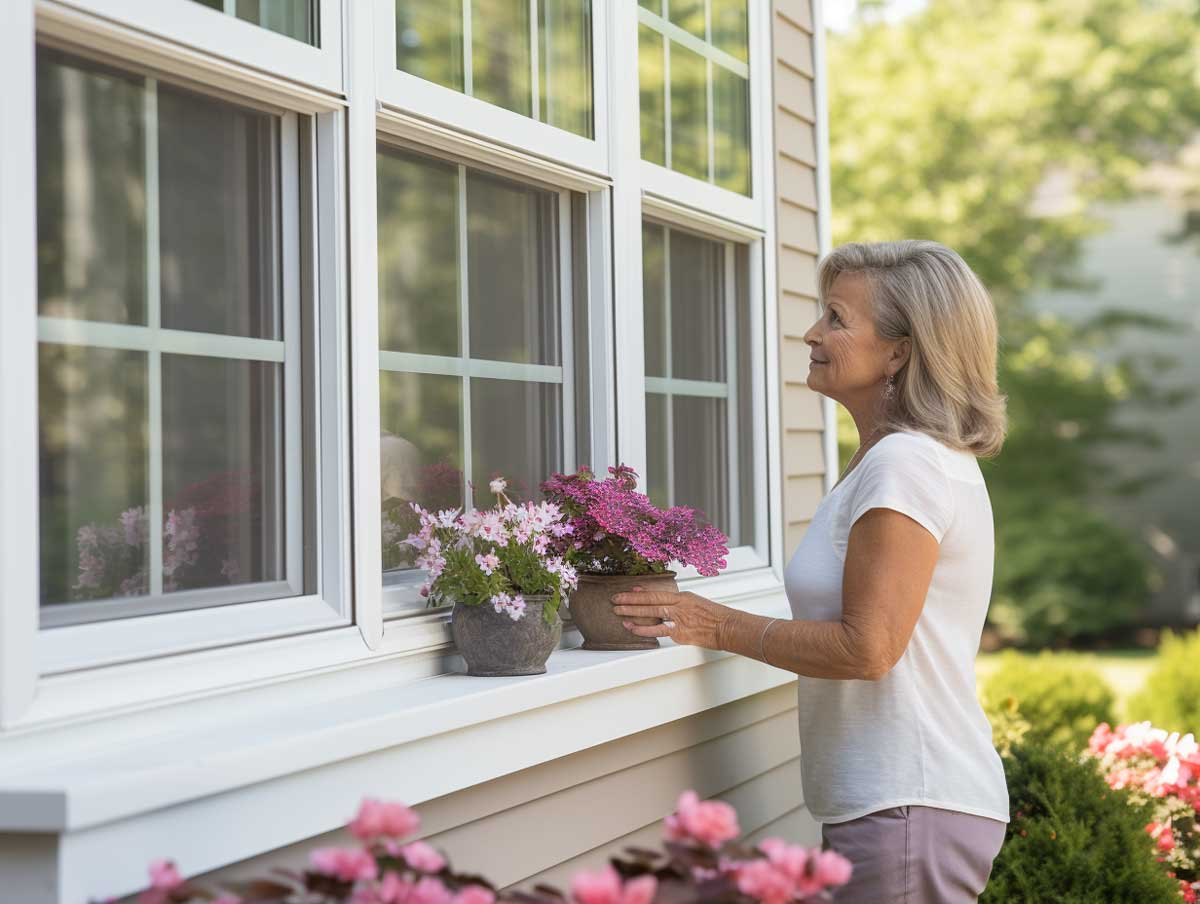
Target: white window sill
(173, 780)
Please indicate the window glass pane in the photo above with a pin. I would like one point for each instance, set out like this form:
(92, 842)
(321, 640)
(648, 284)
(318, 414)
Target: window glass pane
(653, 5)
(499, 66)
(222, 472)
(92, 473)
(564, 80)
(516, 433)
(697, 307)
(418, 255)
(512, 251)
(654, 298)
(653, 105)
(731, 28)
(91, 195)
(294, 18)
(420, 454)
(658, 471)
(217, 178)
(731, 130)
(429, 40)
(701, 441)
(688, 15)
(500, 54)
(689, 112)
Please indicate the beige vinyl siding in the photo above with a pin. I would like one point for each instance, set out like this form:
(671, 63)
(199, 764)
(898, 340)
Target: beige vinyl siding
(543, 823)
(803, 458)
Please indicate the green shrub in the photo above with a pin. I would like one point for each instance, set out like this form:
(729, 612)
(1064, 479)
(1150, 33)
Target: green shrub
(1072, 839)
(1170, 697)
(1061, 698)
(1063, 571)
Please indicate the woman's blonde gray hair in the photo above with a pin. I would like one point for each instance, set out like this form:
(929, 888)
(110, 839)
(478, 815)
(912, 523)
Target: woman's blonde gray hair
(925, 292)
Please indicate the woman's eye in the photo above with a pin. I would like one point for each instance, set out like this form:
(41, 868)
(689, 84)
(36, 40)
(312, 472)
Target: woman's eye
(834, 318)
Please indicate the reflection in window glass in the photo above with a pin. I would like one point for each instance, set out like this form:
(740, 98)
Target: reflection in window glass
(161, 429)
(699, 396)
(455, 414)
(294, 18)
(696, 121)
(501, 67)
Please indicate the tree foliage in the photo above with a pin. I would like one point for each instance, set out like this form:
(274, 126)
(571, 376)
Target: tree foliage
(992, 127)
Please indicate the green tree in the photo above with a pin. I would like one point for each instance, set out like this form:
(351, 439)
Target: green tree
(951, 124)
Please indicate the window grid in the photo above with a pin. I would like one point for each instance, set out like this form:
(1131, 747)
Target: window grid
(154, 341)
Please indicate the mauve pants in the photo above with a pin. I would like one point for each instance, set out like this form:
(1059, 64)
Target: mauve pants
(915, 855)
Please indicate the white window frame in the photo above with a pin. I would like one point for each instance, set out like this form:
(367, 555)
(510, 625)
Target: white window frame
(620, 190)
(215, 33)
(406, 93)
(81, 646)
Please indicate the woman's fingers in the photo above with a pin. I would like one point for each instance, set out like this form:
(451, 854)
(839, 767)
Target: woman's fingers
(646, 598)
(648, 630)
(644, 611)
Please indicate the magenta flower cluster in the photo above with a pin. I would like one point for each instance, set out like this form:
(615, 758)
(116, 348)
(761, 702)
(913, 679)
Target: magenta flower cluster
(614, 529)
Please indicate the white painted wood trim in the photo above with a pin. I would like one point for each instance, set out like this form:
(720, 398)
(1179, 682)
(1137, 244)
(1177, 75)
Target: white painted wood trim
(364, 319)
(824, 220)
(219, 35)
(18, 389)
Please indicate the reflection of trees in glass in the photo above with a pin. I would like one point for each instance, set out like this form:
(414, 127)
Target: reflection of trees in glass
(294, 18)
(650, 90)
(1011, 96)
(499, 65)
(689, 112)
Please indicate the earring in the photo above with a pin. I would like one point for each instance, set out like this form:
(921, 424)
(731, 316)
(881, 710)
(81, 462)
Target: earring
(889, 391)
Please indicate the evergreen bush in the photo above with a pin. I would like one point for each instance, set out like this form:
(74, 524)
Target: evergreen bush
(1072, 839)
(1061, 698)
(1171, 696)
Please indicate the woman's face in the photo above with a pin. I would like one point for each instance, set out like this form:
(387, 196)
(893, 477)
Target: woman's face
(848, 360)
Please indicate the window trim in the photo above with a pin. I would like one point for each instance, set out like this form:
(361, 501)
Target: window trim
(311, 153)
(216, 33)
(405, 93)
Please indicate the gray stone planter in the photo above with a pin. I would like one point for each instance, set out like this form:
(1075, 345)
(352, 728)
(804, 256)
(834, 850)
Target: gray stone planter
(591, 609)
(495, 646)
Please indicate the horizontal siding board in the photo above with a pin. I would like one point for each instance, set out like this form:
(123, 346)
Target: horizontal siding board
(793, 533)
(797, 272)
(798, 12)
(796, 182)
(793, 46)
(797, 227)
(795, 827)
(766, 800)
(801, 409)
(801, 496)
(803, 453)
(796, 316)
(794, 92)
(793, 361)
(795, 137)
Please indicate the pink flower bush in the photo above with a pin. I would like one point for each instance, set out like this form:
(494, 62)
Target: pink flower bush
(611, 528)
(1163, 770)
(497, 556)
(702, 863)
(710, 823)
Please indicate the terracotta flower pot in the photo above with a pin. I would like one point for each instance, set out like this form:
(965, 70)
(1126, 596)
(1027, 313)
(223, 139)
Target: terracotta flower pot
(495, 646)
(591, 609)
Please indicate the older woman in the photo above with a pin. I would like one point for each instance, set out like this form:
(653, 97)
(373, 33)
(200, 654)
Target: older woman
(891, 582)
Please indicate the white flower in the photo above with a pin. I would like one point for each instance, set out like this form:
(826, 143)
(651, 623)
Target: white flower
(498, 485)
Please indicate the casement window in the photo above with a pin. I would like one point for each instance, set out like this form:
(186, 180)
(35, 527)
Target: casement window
(700, 446)
(693, 65)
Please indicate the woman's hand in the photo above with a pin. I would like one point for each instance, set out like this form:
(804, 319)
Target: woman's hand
(691, 619)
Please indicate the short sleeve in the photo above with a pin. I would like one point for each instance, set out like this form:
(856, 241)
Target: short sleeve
(905, 474)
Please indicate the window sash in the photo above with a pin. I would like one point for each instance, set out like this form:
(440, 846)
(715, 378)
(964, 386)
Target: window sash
(213, 32)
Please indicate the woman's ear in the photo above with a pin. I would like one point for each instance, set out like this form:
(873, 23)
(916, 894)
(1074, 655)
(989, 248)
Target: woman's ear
(901, 352)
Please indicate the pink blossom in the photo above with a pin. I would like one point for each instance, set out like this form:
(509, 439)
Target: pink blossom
(347, 864)
(378, 819)
(831, 869)
(429, 891)
(488, 563)
(710, 823)
(604, 887)
(164, 876)
(474, 894)
(765, 882)
(227, 899)
(422, 857)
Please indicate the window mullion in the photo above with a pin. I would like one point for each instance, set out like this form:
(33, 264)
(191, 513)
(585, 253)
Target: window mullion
(154, 437)
(732, 400)
(666, 101)
(567, 332)
(669, 405)
(534, 62)
(464, 307)
(468, 54)
(708, 90)
(294, 470)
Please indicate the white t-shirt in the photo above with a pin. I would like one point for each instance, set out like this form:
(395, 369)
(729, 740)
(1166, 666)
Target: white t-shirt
(918, 736)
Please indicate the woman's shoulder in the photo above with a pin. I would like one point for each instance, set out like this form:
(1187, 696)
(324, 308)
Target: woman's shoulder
(917, 448)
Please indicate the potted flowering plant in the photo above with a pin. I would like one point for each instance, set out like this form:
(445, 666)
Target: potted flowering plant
(506, 584)
(617, 538)
(701, 862)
